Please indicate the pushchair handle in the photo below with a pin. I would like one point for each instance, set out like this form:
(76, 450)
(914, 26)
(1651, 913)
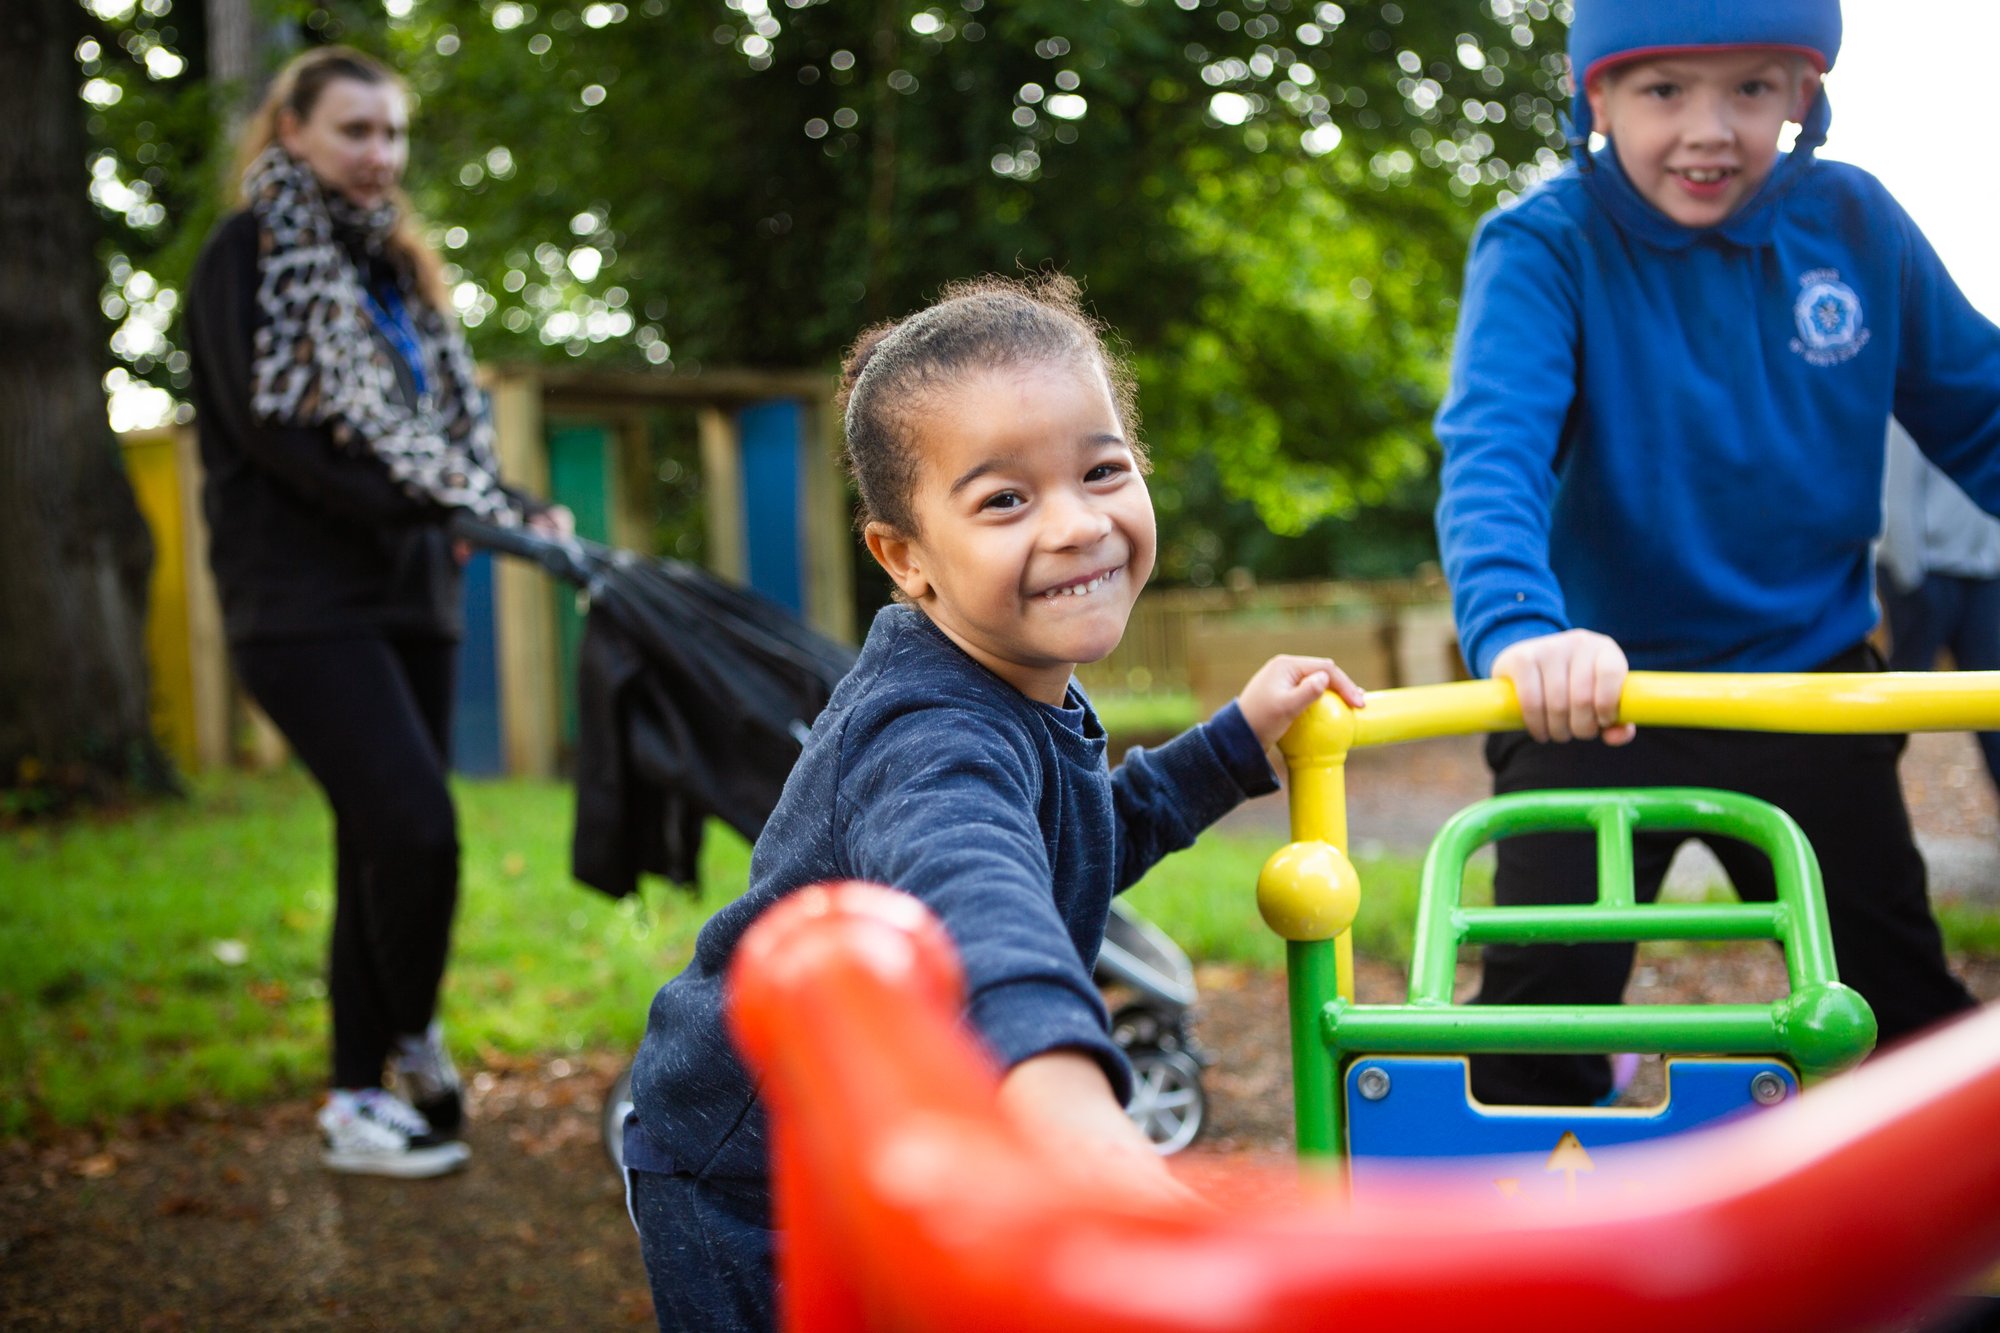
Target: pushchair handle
(573, 559)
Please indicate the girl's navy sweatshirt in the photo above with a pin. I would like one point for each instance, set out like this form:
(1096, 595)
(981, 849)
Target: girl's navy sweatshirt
(929, 774)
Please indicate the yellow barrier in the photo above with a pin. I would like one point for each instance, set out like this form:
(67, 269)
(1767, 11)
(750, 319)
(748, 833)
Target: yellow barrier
(1304, 890)
(1887, 701)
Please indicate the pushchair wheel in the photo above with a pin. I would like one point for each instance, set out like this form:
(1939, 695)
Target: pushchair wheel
(617, 1102)
(1168, 1104)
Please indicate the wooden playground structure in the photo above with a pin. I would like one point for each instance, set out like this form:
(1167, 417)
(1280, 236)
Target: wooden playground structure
(775, 517)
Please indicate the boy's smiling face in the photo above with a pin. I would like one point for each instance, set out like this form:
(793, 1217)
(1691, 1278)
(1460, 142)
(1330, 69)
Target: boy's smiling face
(1035, 527)
(1697, 131)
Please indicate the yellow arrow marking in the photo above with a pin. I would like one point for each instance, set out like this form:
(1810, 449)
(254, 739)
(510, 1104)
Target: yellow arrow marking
(1569, 1158)
(1508, 1185)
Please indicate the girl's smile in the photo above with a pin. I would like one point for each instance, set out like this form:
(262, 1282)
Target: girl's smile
(1082, 587)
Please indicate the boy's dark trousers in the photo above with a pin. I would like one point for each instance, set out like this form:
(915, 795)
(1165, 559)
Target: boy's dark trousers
(709, 1252)
(1844, 793)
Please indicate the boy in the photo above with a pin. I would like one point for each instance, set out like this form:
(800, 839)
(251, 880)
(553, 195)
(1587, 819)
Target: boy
(1664, 448)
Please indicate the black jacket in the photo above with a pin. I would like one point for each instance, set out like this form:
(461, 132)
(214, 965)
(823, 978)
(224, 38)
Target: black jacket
(693, 698)
(307, 540)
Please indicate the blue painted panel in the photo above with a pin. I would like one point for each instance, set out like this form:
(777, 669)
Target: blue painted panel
(773, 436)
(1428, 1118)
(476, 742)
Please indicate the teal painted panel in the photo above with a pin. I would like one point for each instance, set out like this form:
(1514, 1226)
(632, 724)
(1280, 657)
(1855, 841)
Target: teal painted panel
(581, 477)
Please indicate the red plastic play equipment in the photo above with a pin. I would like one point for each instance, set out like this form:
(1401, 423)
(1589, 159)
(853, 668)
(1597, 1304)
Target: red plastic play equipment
(907, 1202)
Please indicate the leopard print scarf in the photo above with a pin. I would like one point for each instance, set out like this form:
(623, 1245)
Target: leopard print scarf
(314, 361)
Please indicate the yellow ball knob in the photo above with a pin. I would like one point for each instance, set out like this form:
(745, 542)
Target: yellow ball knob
(1308, 891)
(1324, 731)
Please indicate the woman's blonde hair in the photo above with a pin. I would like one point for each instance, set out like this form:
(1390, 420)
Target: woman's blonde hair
(297, 89)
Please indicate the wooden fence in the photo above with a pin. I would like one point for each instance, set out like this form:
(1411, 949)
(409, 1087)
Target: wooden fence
(1207, 641)
(1199, 641)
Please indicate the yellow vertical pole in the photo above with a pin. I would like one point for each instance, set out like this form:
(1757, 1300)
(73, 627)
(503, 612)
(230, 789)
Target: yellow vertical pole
(529, 710)
(1308, 893)
(1315, 751)
(722, 488)
(829, 526)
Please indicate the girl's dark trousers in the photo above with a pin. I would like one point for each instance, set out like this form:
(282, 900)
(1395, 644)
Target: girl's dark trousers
(370, 719)
(709, 1251)
(1843, 791)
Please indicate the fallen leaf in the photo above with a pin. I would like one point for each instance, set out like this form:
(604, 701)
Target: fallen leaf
(97, 1166)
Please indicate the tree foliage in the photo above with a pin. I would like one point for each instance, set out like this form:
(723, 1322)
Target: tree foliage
(1269, 199)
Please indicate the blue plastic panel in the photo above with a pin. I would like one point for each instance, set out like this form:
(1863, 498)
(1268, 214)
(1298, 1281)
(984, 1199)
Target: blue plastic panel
(773, 435)
(1428, 1113)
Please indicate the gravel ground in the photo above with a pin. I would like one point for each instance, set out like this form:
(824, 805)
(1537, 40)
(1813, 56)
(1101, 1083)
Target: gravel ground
(221, 1219)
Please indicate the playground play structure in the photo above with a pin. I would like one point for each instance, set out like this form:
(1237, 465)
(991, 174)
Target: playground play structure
(773, 513)
(908, 1202)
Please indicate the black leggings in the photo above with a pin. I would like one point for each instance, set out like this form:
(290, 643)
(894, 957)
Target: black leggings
(370, 718)
(1843, 791)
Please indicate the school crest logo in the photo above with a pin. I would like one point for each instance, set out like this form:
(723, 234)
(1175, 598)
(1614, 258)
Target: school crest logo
(1828, 316)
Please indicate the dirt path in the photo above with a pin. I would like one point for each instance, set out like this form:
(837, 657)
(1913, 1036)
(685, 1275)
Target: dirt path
(222, 1219)
(225, 1221)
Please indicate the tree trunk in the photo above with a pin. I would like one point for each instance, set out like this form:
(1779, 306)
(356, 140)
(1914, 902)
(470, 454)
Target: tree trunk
(74, 551)
(237, 65)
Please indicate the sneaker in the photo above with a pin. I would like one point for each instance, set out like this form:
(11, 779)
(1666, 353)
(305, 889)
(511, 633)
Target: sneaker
(371, 1132)
(425, 1076)
(1624, 1068)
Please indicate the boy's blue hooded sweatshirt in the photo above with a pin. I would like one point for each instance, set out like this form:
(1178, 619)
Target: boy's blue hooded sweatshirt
(1675, 436)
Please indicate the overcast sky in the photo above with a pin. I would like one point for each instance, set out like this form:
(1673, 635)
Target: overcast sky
(1913, 95)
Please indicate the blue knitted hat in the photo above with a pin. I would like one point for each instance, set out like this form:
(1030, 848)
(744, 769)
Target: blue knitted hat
(1606, 32)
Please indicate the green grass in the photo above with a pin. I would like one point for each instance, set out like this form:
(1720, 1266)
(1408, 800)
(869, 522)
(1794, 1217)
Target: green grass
(1206, 898)
(119, 991)
(1143, 715)
(116, 989)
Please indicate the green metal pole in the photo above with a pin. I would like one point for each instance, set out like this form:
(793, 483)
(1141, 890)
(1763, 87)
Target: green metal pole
(1310, 978)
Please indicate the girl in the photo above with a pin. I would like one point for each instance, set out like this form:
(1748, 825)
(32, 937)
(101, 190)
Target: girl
(992, 440)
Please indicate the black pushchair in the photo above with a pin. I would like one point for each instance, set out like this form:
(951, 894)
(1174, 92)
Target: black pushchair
(695, 697)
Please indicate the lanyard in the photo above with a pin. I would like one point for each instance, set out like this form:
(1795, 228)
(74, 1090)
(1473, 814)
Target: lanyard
(392, 317)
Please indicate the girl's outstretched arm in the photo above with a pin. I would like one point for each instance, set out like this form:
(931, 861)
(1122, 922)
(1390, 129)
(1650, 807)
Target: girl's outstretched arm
(1063, 1099)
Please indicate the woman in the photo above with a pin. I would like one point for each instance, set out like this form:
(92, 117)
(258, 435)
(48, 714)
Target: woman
(340, 428)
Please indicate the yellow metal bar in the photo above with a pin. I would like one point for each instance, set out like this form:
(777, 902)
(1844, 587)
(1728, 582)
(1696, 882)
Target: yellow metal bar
(1855, 702)
(1818, 702)
(1317, 745)
(1466, 708)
